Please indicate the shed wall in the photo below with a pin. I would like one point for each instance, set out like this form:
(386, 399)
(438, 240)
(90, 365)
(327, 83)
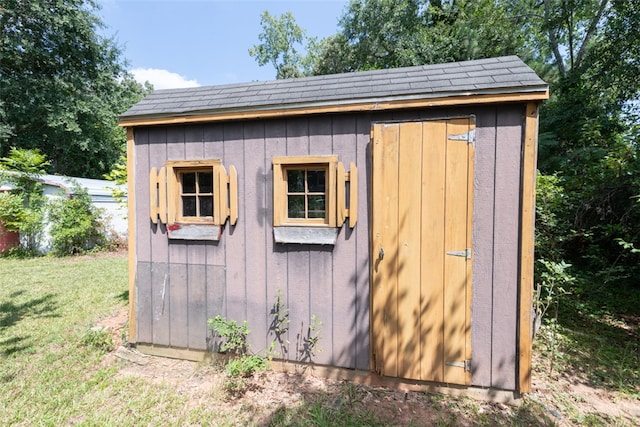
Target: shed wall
(180, 284)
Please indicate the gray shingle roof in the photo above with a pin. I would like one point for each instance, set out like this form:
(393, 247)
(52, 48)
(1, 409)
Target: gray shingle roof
(501, 75)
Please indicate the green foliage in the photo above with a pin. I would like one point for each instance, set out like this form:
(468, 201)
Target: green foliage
(98, 338)
(282, 39)
(379, 34)
(12, 211)
(21, 168)
(552, 283)
(75, 224)
(241, 365)
(63, 85)
(246, 365)
(118, 175)
(234, 336)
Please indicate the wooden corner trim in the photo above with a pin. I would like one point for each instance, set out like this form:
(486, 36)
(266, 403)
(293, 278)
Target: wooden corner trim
(527, 221)
(131, 238)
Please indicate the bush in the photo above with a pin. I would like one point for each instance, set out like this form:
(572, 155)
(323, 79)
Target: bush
(75, 224)
(11, 211)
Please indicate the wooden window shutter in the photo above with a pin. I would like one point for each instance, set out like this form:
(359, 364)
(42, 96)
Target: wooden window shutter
(227, 198)
(343, 211)
(158, 195)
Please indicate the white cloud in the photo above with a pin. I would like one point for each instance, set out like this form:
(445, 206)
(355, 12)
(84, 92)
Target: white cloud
(162, 79)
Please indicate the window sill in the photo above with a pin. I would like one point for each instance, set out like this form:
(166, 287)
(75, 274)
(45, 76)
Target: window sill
(194, 232)
(306, 235)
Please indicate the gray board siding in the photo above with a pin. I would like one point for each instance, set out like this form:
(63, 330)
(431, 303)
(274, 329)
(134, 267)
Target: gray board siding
(180, 284)
(485, 76)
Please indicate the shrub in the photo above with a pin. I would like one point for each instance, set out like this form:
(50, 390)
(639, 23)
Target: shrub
(75, 224)
(11, 211)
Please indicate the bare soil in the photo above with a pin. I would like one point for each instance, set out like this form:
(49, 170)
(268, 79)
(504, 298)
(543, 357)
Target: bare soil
(562, 400)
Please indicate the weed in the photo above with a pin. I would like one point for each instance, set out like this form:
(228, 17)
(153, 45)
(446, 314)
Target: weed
(246, 365)
(234, 335)
(98, 338)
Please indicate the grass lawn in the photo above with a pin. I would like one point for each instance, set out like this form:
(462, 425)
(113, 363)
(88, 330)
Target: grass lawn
(55, 370)
(50, 374)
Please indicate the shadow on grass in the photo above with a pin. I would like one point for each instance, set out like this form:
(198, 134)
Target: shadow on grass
(123, 296)
(12, 312)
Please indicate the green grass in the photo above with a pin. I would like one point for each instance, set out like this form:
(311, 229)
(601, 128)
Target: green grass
(52, 370)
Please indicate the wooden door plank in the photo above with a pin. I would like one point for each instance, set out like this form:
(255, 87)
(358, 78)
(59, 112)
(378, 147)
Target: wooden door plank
(469, 290)
(389, 264)
(455, 269)
(409, 232)
(432, 296)
(376, 335)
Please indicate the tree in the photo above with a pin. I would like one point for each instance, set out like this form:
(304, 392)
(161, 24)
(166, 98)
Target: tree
(62, 85)
(282, 39)
(389, 33)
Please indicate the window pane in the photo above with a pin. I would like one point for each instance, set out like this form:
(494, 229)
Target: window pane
(315, 180)
(188, 206)
(189, 183)
(205, 182)
(206, 205)
(316, 207)
(295, 181)
(295, 206)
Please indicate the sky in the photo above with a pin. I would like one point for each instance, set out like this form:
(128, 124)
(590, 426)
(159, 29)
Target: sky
(191, 43)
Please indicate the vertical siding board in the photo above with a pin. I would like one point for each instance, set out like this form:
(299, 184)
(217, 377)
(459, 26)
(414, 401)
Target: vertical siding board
(178, 279)
(196, 257)
(255, 208)
(505, 267)
(234, 153)
(142, 166)
(362, 291)
(298, 255)
(276, 261)
(345, 301)
(321, 261)
(214, 149)
(159, 248)
(144, 315)
(197, 292)
(483, 235)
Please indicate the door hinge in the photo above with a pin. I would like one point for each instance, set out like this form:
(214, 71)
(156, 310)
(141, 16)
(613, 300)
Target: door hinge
(466, 253)
(465, 364)
(469, 137)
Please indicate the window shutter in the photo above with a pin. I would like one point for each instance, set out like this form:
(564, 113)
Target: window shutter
(158, 195)
(342, 210)
(340, 194)
(233, 195)
(353, 195)
(227, 198)
(222, 210)
(278, 196)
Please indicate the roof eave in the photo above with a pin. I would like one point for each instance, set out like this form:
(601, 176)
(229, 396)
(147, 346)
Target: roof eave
(534, 93)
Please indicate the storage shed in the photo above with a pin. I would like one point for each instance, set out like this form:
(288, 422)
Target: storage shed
(377, 221)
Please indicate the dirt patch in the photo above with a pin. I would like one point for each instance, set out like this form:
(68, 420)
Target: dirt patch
(561, 400)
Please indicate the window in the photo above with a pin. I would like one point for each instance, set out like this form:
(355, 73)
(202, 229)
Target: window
(304, 190)
(193, 188)
(193, 198)
(196, 194)
(310, 191)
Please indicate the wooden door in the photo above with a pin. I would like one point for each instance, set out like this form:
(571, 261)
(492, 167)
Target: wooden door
(421, 254)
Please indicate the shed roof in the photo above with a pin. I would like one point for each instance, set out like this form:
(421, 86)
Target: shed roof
(486, 80)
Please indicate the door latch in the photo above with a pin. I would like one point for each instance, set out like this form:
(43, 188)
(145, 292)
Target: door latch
(381, 254)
